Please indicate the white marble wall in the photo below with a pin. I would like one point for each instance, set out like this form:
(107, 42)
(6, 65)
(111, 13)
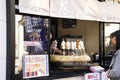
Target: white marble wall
(2, 39)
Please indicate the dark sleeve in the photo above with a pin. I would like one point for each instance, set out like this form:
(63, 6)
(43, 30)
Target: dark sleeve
(115, 71)
(59, 40)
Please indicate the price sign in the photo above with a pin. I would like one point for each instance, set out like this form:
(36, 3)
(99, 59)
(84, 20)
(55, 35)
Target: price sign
(35, 66)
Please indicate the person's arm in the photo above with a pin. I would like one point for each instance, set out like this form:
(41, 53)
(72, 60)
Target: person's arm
(58, 51)
(54, 47)
(115, 72)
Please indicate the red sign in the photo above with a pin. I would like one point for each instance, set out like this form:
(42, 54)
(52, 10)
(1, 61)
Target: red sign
(92, 76)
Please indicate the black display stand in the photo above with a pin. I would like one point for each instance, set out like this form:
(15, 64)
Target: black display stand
(10, 10)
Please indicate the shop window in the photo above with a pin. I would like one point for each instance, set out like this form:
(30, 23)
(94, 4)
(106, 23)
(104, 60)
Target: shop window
(31, 38)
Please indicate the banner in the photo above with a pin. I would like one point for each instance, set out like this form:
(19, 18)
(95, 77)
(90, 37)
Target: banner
(116, 12)
(107, 11)
(86, 9)
(38, 7)
(35, 66)
(62, 8)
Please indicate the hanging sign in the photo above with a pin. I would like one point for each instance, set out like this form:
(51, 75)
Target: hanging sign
(38, 7)
(35, 66)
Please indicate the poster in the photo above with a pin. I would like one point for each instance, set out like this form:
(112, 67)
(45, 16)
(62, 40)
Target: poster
(36, 35)
(38, 7)
(35, 66)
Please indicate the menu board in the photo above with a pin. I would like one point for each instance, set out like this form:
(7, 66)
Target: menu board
(35, 66)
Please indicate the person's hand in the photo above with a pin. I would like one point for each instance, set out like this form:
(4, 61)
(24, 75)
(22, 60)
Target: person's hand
(58, 51)
(107, 73)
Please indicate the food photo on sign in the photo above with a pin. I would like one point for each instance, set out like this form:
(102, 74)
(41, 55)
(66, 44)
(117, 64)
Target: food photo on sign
(35, 35)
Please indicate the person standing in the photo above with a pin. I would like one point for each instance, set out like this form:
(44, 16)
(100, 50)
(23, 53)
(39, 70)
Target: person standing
(114, 69)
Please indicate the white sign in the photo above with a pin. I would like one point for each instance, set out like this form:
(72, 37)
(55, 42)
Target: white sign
(38, 7)
(97, 69)
(92, 76)
(33, 43)
(35, 66)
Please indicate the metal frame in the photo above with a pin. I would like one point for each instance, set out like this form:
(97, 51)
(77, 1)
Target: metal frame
(10, 10)
(101, 33)
(102, 42)
(104, 39)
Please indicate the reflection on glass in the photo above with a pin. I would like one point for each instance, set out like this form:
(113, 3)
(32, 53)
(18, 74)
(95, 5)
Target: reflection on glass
(31, 38)
(19, 42)
(109, 28)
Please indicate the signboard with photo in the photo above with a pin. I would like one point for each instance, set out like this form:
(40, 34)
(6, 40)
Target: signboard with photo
(35, 66)
(35, 34)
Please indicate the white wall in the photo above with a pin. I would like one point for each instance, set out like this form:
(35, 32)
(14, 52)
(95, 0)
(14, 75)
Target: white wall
(88, 29)
(2, 39)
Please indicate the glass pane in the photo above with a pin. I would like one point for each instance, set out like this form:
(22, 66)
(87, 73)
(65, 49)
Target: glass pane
(109, 28)
(109, 48)
(31, 38)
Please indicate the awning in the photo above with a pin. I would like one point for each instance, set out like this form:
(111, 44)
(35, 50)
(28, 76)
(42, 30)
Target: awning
(107, 11)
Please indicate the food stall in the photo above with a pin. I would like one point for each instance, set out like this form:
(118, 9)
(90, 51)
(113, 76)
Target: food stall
(32, 39)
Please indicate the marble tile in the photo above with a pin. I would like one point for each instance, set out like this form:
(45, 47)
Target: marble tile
(3, 10)
(3, 39)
